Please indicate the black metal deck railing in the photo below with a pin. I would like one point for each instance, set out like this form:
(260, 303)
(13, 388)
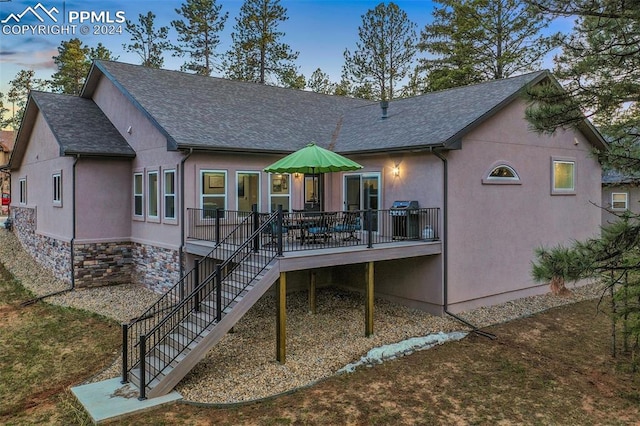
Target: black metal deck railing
(192, 287)
(317, 230)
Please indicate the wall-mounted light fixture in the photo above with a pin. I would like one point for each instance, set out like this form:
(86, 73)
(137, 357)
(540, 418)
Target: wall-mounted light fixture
(396, 170)
(296, 175)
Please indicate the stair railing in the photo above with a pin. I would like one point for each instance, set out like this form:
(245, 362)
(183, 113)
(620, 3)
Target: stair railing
(166, 303)
(209, 301)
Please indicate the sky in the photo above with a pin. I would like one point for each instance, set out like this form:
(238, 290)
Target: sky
(320, 30)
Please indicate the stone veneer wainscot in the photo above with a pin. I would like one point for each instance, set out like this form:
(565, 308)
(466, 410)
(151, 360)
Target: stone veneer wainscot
(51, 253)
(99, 264)
(156, 268)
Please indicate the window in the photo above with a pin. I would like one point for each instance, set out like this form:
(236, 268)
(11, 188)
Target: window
(138, 194)
(619, 200)
(213, 192)
(152, 194)
(563, 176)
(501, 174)
(23, 191)
(57, 189)
(169, 194)
(279, 187)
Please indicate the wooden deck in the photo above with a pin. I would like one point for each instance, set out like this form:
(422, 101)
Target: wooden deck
(333, 256)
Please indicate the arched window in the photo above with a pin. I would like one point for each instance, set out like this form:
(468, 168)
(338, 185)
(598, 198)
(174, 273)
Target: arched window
(501, 174)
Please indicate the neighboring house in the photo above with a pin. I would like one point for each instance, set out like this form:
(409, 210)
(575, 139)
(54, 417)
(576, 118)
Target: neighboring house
(113, 171)
(7, 138)
(620, 193)
(110, 186)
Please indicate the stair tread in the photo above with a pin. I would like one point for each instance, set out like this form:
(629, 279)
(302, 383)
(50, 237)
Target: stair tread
(190, 332)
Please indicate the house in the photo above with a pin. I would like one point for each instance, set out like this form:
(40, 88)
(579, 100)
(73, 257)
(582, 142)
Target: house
(119, 184)
(620, 193)
(6, 147)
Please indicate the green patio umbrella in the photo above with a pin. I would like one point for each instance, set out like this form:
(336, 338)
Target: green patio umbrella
(313, 159)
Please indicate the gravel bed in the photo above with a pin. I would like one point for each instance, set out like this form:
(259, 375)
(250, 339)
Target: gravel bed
(121, 302)
(242, 367)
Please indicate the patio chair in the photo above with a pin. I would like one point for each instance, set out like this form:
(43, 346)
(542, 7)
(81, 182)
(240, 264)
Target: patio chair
(272, 231)
(321, 229)
(350, 224)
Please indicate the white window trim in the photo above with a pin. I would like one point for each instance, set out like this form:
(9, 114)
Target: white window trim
(288, 194)
(156, 217)
(626, 201)
(57, 202)
(571, 191)
(496, 180)
(170, 219)
(141, 195)
(23, 191)
(363, 175)
(202, 195)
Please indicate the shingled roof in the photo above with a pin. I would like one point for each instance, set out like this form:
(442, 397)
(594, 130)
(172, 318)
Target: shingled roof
(78, 125)
(615, 177)
(195, 111)
(211, 113)
(437, 119)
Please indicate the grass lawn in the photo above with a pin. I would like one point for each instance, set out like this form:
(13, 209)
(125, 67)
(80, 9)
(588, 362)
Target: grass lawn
(553, 368)
(44, 350)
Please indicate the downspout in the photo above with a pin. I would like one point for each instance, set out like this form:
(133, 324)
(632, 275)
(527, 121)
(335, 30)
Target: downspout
(445, 243)
(72, 242)
(73, 232)
(182, 211)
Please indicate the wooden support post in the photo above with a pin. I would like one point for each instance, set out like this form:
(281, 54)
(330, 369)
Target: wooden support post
(281, 319)
(368, 310)
(312, 292)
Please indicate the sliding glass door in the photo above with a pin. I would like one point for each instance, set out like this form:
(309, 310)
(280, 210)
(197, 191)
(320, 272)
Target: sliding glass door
(362, 192)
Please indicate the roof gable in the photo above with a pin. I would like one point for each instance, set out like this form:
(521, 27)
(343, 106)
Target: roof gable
(433, 120)
(79, 126)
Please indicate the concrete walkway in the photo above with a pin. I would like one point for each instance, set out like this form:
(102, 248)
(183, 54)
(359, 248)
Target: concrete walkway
(110, 399)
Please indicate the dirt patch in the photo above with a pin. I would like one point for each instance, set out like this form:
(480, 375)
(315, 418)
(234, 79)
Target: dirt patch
(8, 314)
(539, 369)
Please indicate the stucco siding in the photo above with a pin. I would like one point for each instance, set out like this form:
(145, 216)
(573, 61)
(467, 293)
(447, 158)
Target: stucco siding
(494, 229)
(41, 160)
(151, 156)
(132, 124)
(104, 200)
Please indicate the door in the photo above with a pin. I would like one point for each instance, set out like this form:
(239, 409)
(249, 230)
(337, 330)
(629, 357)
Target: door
(362, 192)
(314, 192)
(248, 190)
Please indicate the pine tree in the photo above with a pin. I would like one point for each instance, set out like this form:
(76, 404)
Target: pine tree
(292, 80)
(599, 69)
(471, 41)
(18, 94)
(257, 53)
(73, 62)
(147, 41)
(384, 53)
(198, 34)
(5, 118)
(599, 72)
(320, 82)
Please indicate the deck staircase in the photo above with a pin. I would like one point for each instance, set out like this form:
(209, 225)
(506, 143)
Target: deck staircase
(162, 345)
